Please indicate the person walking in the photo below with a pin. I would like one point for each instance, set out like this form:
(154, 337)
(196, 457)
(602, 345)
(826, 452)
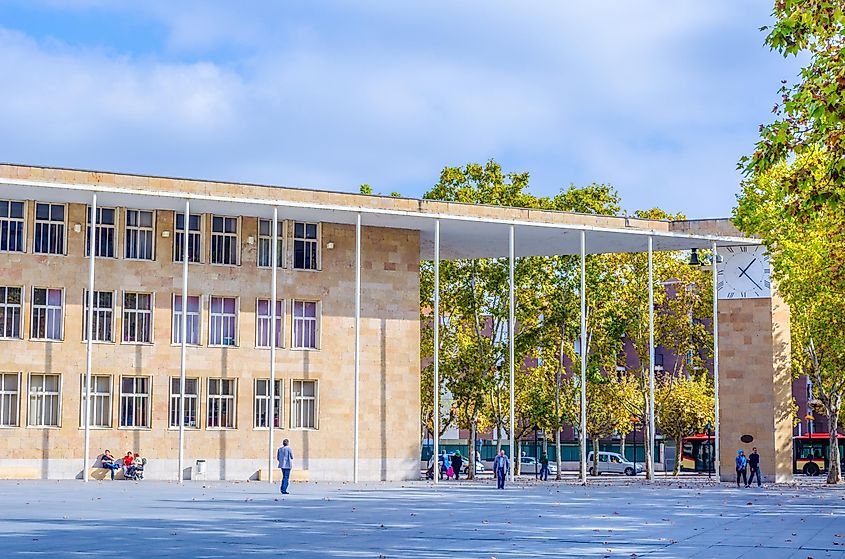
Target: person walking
(444, 464)
(457, 462)
(285, 458)
(741, 465)
(754, 468)
(501, 467)
(544, 467)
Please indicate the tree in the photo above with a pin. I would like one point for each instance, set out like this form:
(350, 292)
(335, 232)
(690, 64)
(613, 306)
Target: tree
(805, 251)
(809, 117)
(683, 406)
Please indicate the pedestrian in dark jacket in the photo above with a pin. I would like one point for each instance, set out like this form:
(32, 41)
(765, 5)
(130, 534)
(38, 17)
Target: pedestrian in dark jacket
(544, 467)
(457, 462)
(741, 465)
(753, 468)
(501, 467)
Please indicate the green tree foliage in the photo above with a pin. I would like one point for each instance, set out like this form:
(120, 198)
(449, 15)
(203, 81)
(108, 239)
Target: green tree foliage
(805, 251)
(683, 406)
(809, 116)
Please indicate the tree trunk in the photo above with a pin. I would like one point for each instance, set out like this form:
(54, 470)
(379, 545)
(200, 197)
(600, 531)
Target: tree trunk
(498, 437)
(679, 455)
(834, 470)
(517, 457)
(473, 428)
(649, 452)
(557, 454)
(622, 445)
(595, 456)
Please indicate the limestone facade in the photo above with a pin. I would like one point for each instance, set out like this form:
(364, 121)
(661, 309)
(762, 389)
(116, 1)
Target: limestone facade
(390, 362)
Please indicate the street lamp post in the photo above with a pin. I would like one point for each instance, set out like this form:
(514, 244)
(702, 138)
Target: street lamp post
(707, 429)
(536, 456)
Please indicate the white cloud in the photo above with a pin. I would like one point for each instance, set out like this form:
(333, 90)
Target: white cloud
(652, 97)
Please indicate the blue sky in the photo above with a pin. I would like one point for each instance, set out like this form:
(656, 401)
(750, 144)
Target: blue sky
(658, 98)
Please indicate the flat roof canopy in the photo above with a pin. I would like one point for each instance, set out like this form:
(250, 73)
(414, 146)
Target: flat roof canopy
(466, 230)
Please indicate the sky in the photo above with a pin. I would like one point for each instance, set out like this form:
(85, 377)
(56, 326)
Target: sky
(659, 99)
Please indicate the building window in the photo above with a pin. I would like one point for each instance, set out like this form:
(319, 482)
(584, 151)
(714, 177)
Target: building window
(303, 414)
(46, 314)
(224, 240)
(262, 400)
(137, 318)
(49, 229)
(223, 325)
(194, 237)
(221, 403)
(135, 402)
(305, 246)
(304, 325)
(9, 399)
(11, 226)
(193, 325)
(11, 312)
(103, 316)
(265, 243)
(263, 310)
(104, 236)
(100, 413)
(139, 234)
(191, 402)
(44, 400)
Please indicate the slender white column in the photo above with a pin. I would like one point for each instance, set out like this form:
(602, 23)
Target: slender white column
(714, 257)
(651, 437)
(511, 327)
(271, 390)
(436, 410)
(92, 243)
(582, 431)
(183, 350)
(357, 342)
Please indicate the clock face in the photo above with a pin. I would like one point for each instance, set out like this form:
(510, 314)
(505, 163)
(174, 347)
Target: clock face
(744, 273)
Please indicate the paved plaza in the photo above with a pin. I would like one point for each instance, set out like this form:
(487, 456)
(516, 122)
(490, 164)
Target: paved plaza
(610, 518)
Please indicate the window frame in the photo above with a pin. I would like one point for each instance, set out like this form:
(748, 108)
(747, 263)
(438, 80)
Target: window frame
(148, 419)
(224, 234)
(281, 260)
(139, 229)
(96, 395)
(173, 402)
(177, 328)
(114, 228)
(199, 232)
(316, 398)
(256, 400)
(318, 311)
(4, 392)
(6, 306)
(63, 224)
(280, 317)
(318, 242)
(211, 317)
(58, 396)
(23, 222)
(233, 398)
(46, 307)
(85, 316)
(124, 322)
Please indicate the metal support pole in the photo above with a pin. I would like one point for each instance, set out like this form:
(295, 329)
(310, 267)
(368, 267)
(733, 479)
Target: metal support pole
(582, 431)
(511, 327)
(92, 243)
(713, 258)
(183, 362)
(436, 410)
(651, 438)
(271, 390)
(357, 342)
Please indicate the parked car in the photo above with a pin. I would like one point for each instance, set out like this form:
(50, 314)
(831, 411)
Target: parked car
(528, 463)
(614, 463)
(479, 467)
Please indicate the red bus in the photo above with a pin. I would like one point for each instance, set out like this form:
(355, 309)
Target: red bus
(811, 453)
(697, 453)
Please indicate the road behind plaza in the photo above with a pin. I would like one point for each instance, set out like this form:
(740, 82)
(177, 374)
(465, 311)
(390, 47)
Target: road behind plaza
(609, 518)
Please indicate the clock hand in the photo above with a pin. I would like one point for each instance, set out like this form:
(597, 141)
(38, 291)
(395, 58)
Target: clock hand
(743, 273)
(743, 270)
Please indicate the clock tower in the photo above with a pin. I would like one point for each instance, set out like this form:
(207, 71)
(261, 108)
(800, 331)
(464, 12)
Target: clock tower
(755, 383)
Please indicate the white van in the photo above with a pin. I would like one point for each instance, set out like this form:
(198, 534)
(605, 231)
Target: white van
(614, 463)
